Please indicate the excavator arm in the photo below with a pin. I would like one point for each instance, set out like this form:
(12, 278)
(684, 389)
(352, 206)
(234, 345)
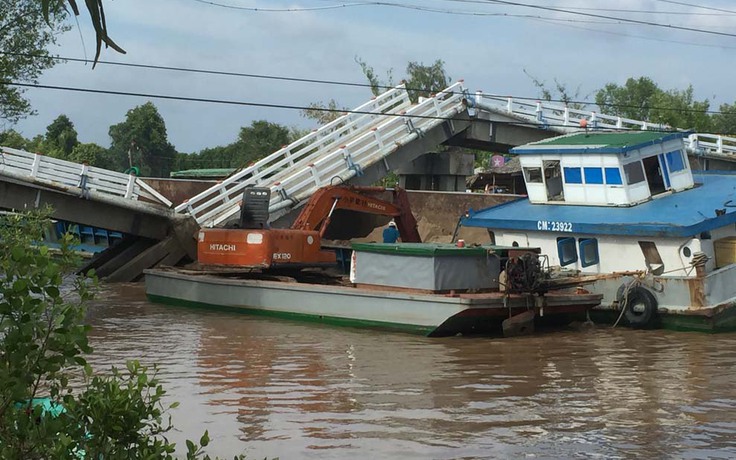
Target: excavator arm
(318, 211)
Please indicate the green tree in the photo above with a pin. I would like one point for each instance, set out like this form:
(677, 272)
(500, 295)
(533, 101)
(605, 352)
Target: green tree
(117, 416)
(559, 92)
(142, 140)
(377, 85)
(260, 139)
(24, 37)
(421, 80)
(13, 139)
(679, 109)
(90, 153)
(632, 100)
(425, 80)
(643, 99)
(254, 142)
(724, 122)
(61, 137)
(323, 113)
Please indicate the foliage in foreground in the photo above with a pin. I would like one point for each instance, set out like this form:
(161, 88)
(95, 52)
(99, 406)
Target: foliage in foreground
(119, 415)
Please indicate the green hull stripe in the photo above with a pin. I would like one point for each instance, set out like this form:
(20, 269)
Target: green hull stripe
(331, 320)
(722, 322)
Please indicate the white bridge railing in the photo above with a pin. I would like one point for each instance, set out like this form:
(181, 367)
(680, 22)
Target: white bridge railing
(560, 118)
(712, 144)
(74, 178)
(557, 117)
(337, 151)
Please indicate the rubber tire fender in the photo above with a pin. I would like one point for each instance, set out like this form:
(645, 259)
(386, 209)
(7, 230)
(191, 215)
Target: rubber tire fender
(640, 297)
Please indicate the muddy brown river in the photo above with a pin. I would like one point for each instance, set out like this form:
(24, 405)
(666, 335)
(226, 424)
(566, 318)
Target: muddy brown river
(276, 388)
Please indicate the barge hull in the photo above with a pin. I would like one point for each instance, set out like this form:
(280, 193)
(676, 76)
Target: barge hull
(425, 314)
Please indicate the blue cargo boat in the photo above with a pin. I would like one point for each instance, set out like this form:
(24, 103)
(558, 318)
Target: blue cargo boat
(624, 214)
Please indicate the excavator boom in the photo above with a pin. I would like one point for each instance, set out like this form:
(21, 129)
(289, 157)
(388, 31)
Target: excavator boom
(318, 211)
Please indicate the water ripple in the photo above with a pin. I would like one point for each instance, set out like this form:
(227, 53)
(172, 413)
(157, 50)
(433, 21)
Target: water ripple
(294, 390)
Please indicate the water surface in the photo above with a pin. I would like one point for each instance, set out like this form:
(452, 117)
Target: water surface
(277, 388)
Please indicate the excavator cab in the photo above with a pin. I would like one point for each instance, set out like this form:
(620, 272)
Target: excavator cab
(254, 210)
(253, 244)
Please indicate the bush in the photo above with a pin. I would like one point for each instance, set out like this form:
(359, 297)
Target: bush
(119, 415)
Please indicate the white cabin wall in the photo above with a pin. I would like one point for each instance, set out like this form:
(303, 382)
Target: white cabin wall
(639, 192)
(607, 194)
(537, 192)
(616, 253)
(683, 179)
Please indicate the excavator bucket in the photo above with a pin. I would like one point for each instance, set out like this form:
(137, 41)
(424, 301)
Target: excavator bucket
(254, 212)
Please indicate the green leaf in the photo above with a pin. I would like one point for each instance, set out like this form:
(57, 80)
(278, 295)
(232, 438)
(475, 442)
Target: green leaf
(17, 253)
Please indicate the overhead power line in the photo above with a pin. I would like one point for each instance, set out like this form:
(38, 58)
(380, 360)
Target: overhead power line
(384, 4)
(244, 103)
(340, 83)
(692, 5)
(640, 37)
(613, 18)
(579, 12)
(204, 100)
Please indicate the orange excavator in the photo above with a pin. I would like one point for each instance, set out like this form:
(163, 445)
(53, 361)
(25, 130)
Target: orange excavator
(253, 244)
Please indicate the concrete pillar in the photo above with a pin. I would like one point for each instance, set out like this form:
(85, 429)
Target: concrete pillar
(442, 171)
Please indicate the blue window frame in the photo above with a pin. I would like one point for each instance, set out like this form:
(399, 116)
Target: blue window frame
(613, 176)
(674, 161)
(573, 176)
(588, 252)
(567, 251)
(593, 175)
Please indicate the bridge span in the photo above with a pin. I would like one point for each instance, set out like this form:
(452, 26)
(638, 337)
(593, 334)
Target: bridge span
(359, 148)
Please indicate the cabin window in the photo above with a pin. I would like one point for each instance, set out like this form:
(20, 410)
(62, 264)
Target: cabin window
(674, 161)
(566, 251)
(553, 180)
(652, 257)
(634, 173)
(588, 251)
(573, 176)
(533, 175)
(593, 175)
(613, 176)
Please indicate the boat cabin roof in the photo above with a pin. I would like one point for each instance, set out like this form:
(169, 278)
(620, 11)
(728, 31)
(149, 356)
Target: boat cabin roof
(709, 205)
(597, 142)
(434, 249)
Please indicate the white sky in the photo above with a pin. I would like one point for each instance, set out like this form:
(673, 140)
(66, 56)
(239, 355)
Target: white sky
(489, 52)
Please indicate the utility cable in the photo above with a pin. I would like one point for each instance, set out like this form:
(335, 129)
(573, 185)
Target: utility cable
(342, 83)
(297, 107)
(613, 18)
(692, 5)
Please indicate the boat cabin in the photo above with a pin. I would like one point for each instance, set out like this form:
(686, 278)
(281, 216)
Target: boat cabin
(604, 168)
(611, 203)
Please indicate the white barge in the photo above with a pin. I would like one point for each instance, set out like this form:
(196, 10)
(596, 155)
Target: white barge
(624, 213)
(429, 289)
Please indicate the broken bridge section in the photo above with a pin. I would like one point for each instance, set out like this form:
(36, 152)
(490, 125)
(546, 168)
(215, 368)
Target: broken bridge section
(100, 198)
(358, 148)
